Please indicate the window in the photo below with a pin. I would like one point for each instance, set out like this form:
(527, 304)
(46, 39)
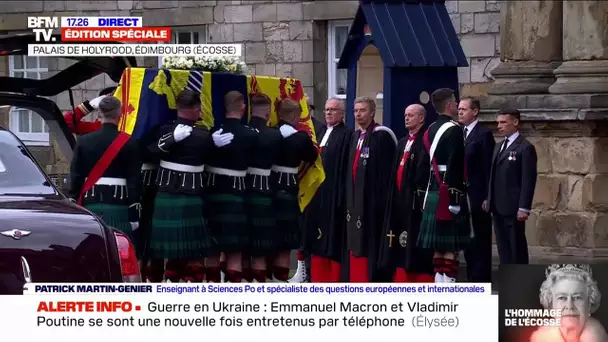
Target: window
(26, 124)
(187, 35)
(19, 173)
(336, 38)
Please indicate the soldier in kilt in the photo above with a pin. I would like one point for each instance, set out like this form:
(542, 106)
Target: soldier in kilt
(179, 236)
(226, 172)
(296, 147)
(115, 196)
(445, 226)
(260, 191)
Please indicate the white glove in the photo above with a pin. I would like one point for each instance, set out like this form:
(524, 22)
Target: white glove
(454, 209)
(220, 139)
(287, 131)
(95, 102)
(181, 132)
(134, 226)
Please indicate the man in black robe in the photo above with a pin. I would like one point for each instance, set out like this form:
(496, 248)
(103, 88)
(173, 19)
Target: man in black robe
(296, 148)
(445, 224)
(399, 254)
(371, 151)
(324, 216)
(226, 173)
(115, 196)
(260, 192)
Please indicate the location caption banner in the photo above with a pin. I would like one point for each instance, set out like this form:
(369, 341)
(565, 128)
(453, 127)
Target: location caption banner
(262, 312)
(136, 50)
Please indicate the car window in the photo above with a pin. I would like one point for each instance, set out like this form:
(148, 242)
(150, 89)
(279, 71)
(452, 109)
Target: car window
(19, 174)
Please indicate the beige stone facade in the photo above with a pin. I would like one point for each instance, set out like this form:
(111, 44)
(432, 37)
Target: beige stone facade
(554, 69)
(280, 38)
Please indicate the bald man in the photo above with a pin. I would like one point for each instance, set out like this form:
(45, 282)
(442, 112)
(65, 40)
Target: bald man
(399, 254)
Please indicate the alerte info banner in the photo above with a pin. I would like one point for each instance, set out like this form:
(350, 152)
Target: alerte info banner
(257, 312)
(553, 303)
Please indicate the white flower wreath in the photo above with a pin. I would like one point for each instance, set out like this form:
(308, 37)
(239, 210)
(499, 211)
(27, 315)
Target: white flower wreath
(212, 64)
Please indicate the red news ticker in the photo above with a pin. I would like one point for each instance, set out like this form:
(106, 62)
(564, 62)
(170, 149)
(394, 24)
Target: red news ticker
(78, 306)
(123, 34)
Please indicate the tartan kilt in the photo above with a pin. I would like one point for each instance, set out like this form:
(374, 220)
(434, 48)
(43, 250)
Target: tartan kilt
(227, 215)
(288, 232)
(114, 215)
(262, 224)
(443, 236)
(179, 230)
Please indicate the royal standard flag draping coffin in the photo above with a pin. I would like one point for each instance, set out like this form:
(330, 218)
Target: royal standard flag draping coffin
(150, 101)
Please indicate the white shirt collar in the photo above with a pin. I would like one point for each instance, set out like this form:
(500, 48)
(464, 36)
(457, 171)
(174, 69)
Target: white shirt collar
(471, 126)
(513, 137)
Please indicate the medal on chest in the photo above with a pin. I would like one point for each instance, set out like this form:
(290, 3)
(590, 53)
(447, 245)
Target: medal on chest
(365, 154)
(512, 156)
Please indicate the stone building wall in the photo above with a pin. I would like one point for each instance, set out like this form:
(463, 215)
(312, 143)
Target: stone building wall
(282, 38)
(553, 70)
(478, 25)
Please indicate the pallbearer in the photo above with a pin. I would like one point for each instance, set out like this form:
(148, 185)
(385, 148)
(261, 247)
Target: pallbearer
(324, 216)
(371, 153)
(260, 191)
(296, 147)
(445, 224)
(226, 172)
(104, 172)
(399, 254)
(179, 234)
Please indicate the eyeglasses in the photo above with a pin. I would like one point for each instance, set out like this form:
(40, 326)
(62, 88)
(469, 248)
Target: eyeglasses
(332, 110)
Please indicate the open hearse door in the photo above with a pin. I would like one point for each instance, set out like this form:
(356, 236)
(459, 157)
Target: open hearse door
(32, 94)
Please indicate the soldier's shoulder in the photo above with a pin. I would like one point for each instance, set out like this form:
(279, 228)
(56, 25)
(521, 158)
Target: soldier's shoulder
(91, 136)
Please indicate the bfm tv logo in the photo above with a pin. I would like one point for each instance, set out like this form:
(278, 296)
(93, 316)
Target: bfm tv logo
(43, 27)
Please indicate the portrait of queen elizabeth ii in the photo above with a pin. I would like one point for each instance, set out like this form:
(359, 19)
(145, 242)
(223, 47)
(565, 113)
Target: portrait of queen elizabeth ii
(571, 290)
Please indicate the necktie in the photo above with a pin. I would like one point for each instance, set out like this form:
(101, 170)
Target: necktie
(504, 145)
(466, 130)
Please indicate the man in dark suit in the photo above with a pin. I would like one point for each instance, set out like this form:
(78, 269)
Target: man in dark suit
(479, 145)
(512, 185)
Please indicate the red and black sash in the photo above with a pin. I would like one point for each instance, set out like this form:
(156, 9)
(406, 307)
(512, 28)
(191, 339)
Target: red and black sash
(443, 206)
(103, 163)
(406, 154)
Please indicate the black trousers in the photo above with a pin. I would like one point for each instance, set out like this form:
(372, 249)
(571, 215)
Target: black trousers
(511, 240)
(478, 253)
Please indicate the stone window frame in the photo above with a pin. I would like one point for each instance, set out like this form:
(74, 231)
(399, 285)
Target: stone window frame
(333, 57)
(28, 138)
(201, 30)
